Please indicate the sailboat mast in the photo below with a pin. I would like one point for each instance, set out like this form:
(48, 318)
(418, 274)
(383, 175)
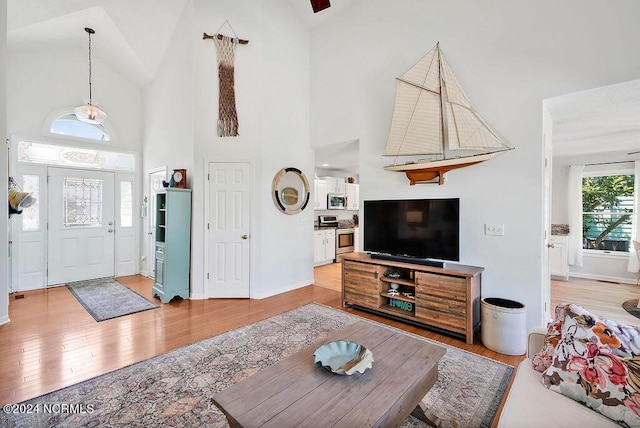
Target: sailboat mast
(445, 136)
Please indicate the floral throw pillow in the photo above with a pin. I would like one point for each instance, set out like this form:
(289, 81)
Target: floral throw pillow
(543, 359)
(597, 362)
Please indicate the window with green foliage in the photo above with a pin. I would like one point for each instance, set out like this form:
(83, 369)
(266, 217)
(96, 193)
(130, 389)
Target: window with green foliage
(607, 212)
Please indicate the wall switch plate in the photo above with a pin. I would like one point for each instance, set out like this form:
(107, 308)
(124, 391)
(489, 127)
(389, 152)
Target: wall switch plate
(494, 229)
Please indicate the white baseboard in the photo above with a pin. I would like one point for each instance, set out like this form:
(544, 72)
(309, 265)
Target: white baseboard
(197, 296)
(602, 278)
(4, 320)
(283, 289)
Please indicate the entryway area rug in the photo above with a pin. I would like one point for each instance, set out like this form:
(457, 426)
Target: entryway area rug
(106, 298)
(175, 389)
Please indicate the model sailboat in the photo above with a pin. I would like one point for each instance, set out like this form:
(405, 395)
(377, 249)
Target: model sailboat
(433, 116)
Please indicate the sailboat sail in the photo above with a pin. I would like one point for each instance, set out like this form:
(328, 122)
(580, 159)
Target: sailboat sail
(417, 116)
(433, 116)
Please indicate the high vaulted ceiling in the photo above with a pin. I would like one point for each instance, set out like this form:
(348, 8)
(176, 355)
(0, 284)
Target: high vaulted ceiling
(133, 37)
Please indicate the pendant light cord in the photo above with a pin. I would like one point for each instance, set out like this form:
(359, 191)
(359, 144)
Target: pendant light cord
(90, 31)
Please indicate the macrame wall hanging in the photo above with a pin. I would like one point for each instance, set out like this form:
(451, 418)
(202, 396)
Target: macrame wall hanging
(227, 114)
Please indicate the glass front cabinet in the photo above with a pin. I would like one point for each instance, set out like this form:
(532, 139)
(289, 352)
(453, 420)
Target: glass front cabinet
(173, 244)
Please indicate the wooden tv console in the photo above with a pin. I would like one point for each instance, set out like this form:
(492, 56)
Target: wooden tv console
(446, 298)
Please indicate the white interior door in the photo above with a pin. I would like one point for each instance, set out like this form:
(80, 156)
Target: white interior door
(228, 264)
(81, 226)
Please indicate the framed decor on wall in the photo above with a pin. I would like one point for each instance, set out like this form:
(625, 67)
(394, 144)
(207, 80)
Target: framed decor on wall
(290, 190)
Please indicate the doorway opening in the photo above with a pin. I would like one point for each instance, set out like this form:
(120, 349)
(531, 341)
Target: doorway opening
(595, 128)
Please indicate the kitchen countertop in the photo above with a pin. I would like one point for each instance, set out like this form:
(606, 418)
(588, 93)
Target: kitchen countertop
(560, 229)
(316, 227)
(323, 227)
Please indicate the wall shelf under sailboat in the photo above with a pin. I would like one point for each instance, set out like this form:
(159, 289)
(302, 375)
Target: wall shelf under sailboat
(434, 171)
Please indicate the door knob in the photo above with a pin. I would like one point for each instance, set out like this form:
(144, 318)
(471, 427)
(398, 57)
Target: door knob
(245, 236)
(110, 223)
(551, 246)
(110, 230)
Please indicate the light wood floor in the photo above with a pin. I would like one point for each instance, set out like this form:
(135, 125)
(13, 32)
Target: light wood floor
(602, 298)
(52, 342)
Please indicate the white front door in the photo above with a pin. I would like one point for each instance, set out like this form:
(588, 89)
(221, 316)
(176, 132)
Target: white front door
(229, 212)
(81, 225)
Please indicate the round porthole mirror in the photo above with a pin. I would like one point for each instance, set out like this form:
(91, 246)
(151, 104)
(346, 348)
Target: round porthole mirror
(290, 190)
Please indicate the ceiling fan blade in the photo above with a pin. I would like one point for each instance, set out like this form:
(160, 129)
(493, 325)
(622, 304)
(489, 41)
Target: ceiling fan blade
(319, 5)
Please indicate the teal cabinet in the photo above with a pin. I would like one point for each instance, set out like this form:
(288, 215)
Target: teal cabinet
(173, 244)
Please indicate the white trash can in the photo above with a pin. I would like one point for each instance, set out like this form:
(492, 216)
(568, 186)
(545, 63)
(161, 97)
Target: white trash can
(504, 325)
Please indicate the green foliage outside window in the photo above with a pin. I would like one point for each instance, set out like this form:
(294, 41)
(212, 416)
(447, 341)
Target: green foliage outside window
(607, 204)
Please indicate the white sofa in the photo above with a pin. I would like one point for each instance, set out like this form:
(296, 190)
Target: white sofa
(531, 404)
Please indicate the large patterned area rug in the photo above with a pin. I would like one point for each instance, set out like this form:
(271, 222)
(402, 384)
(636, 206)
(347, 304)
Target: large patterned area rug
(106, 298)
(175, 389)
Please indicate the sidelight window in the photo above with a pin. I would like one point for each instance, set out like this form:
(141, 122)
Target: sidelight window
(126, 204)
(31, 215)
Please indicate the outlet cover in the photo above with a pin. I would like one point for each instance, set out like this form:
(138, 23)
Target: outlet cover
(494, 229)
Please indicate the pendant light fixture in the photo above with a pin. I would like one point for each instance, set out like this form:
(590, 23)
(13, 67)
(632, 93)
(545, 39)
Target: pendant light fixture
(88, 112)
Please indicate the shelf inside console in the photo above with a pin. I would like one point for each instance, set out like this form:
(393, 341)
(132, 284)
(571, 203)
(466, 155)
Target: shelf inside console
(409, 282)
(400, 297)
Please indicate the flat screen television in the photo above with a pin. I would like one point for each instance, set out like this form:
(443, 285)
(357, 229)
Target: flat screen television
(413, 230)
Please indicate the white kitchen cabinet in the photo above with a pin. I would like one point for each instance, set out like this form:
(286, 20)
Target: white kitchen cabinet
(324, 246)
(319, 194)
(335, 185)
(558, 256)
(353, 196)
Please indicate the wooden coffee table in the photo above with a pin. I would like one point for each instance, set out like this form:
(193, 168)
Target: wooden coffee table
(297, 392)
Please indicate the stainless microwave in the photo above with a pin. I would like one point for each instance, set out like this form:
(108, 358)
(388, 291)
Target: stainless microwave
(336, 202)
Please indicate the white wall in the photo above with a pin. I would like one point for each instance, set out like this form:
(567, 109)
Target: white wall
(4, 224)
(285, 246)
(43, 80)
(272, 100)
(509, 56)
(169, 114)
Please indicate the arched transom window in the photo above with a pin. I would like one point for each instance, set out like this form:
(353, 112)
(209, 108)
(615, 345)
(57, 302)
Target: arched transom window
(68, 125)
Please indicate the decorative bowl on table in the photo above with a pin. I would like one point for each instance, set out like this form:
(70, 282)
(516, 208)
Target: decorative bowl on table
(343, 358)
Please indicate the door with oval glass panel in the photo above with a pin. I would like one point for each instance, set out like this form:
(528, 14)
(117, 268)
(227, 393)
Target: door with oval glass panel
(81, 226)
